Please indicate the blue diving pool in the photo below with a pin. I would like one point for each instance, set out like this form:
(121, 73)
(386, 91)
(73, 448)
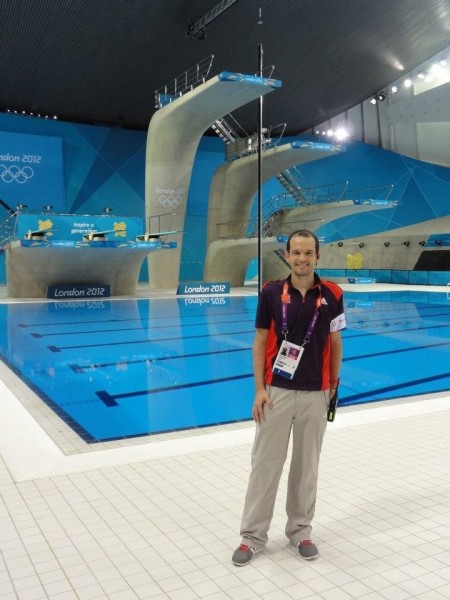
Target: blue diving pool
(122, 368)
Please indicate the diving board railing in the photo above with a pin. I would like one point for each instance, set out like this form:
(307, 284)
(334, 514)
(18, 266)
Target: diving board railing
(372, 195)
(246, 146)
(8, 229)
(330, 193)
(184, 82)
(321, 194)
(248, 229)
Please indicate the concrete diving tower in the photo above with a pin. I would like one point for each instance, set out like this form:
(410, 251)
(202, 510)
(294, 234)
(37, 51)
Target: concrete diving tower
(231, 196)
(173, 136)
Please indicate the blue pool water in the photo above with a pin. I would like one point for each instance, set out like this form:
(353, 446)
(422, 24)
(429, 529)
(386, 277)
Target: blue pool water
(123, 368)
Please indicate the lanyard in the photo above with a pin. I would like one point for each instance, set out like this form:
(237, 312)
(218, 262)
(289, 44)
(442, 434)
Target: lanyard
(285, 300)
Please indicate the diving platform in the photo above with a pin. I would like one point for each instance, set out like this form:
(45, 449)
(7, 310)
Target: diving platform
(78, 251)
(235, 183)
(174, 134)
(228, 259)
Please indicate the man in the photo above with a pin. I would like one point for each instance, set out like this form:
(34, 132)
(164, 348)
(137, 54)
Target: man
(297, 355)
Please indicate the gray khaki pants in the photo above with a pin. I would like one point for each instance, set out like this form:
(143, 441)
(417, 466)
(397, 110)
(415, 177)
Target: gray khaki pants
(305, 414)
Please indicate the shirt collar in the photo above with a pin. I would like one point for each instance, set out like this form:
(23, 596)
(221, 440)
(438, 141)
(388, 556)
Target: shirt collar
(317, 282)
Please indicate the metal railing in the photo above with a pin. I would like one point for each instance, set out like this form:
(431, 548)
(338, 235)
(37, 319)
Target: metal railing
(371, 195)
(248, 228)
(228, 129)
(246, 146)
(158, 223)
(184, 82)
(8, 229)
(331, 192)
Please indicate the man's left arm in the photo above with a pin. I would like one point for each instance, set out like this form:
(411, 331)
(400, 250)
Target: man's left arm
(335, 361)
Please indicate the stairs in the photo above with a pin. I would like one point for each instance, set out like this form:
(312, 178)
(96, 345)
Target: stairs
(224, 130)
(292, 187)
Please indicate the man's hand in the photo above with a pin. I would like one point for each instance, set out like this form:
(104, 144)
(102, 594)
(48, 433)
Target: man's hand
(261, 398)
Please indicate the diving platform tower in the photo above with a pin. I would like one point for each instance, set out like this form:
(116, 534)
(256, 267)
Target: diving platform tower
(173, 137)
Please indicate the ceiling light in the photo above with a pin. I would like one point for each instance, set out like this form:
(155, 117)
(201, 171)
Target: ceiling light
(420, 75)
(381, 96)
(394, 89)
(341, 134)
(373, 100)
(408, 83)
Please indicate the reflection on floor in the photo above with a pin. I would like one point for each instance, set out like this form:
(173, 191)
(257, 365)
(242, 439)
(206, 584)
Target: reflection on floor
(158, 518)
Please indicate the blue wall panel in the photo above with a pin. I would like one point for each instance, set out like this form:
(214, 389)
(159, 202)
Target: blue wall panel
(106, 167)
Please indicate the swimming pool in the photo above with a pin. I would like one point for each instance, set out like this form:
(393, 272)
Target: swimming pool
(123, 368)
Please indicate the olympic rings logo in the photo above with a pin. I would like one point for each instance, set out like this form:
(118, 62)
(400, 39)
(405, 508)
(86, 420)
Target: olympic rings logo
(170, 201)
(15, 173)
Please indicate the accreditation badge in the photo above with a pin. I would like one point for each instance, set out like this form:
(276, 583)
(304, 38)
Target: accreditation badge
(287, 359)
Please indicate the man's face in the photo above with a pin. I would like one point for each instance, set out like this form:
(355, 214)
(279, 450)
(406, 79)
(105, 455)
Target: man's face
(302, 257)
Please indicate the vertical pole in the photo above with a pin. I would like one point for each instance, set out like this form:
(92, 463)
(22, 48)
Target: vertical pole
(260, 211)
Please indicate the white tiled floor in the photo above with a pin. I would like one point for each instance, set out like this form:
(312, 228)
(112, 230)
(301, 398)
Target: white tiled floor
(161, 520)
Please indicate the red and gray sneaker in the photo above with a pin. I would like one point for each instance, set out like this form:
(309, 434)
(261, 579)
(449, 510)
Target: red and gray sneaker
(243, 555)
(307, 549)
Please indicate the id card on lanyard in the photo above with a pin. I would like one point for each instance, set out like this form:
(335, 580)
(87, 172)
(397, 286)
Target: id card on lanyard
(288, 359)
(290, 354)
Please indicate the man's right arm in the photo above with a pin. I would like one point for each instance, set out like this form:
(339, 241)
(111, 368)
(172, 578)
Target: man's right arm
(259, 357)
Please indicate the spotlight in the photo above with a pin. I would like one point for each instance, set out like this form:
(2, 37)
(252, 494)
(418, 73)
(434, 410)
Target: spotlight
(406, 243)
(373, 100)
(107, 210)
(420, 75)
(387, 244)
(361, 244)
(47, 208)
(394, 89)
(201, 35)
(340, 244)
(21, 207)
(381, 96)
(408, 83)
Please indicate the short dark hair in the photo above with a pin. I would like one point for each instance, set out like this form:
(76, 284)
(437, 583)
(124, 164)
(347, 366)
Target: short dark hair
(303, 233)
